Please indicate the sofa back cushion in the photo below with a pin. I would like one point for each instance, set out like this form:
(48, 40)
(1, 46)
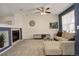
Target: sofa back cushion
(67, 35)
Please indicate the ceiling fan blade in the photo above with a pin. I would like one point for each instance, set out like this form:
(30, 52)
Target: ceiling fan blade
(47, 12)
(47, 8)
(42, 9)
(39, 9)
(37, 12)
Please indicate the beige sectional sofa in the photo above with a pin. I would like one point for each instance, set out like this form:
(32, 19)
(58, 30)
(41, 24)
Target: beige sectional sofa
(62, 46)
(59, 47)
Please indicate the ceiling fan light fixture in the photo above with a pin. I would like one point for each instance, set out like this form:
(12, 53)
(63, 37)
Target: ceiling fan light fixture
(43, 13)
(43, 10)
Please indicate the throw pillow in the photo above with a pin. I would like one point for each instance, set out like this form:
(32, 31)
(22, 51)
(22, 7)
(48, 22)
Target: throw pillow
(59, 34)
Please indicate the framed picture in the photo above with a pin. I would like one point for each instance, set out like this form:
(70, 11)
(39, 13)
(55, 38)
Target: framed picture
(53, 25)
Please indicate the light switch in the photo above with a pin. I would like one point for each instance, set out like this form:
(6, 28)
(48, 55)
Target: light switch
(78, 27)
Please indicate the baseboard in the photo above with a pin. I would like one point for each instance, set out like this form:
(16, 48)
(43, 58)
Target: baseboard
(5, 50)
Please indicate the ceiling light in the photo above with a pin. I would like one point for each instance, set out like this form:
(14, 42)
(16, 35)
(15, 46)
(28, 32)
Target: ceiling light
(43, 13)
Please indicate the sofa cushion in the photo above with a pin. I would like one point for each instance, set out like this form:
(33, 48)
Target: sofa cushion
(60, 38)
(52, 48)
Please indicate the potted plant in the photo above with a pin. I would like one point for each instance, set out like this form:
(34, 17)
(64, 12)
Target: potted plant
(2, 39)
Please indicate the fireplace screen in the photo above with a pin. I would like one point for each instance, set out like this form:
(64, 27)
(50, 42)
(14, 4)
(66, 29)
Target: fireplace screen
(15, 35)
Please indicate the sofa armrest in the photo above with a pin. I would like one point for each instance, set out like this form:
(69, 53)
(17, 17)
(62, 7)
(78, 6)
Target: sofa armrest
(68, 47)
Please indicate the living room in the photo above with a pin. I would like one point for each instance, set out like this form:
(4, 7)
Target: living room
(33, 24)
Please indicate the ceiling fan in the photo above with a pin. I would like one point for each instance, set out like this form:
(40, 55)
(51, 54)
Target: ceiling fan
(43, 10)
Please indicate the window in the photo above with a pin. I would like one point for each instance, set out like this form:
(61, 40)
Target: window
(68, 22)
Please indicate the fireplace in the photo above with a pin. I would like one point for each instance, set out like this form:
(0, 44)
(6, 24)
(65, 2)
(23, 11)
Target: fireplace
(15, 35)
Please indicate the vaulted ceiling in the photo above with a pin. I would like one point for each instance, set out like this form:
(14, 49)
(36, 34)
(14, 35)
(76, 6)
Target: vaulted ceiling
(30, 8)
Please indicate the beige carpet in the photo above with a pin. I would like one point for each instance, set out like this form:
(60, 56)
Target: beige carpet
(26, 48)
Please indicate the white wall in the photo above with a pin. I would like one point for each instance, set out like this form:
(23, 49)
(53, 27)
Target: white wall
(18, 20)
(41, 26)
(6, 20)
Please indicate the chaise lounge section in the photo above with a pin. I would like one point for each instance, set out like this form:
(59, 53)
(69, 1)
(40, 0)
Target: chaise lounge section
(59, 47)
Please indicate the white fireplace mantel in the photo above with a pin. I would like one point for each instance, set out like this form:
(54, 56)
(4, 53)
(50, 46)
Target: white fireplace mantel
(9, 26)
(5, 25)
